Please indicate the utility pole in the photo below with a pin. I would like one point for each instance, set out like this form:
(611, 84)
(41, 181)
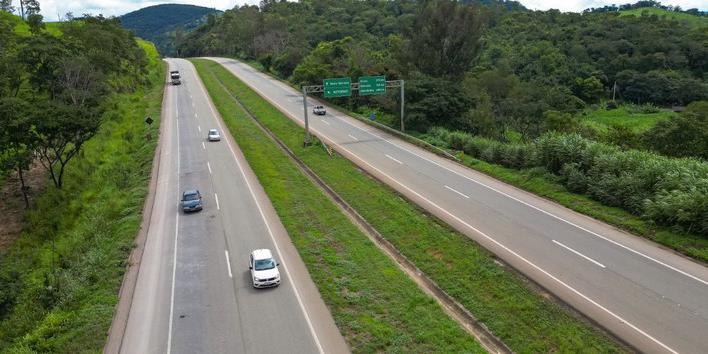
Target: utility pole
(403, 101)
(307, 123)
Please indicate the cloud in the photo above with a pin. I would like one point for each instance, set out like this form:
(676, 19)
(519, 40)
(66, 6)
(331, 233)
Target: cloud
(54, 9)
(580, 5)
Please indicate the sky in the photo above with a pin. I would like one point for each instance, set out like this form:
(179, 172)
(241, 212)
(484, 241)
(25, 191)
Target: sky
(54, 9)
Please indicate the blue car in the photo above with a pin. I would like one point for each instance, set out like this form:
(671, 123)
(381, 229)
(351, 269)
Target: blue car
(191, 200)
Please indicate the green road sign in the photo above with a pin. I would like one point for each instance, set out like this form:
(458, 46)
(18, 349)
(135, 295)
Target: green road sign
(372, 85)
(339, 87)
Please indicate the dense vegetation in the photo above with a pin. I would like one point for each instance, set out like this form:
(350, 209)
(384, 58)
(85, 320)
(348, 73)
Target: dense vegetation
(54, 88)
(166, 24)
(479, 69)
(77, 102)
(665, 190)
(500, 72)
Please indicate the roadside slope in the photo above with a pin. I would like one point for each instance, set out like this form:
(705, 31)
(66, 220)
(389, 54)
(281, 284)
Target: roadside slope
(81, 236)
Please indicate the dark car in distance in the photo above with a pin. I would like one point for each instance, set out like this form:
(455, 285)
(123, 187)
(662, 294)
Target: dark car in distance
(191, 200)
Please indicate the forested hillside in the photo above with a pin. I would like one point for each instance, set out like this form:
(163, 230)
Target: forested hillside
(488, 69)
(166, 24)
(72, 100)
(504, 80)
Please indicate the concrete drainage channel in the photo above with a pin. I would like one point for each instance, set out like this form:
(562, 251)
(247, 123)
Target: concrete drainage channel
(453, 308)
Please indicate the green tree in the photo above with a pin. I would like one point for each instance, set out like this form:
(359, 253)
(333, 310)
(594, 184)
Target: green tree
(62, 131)
(684, 135)
(445, 38)
(481, 119)
(434, 102)
(17, 139)
(589, 89)
(6, 5)
(560, 122)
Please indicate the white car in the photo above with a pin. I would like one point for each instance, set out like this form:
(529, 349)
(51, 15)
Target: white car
(319, 110)
(264, 269)
(214, 135)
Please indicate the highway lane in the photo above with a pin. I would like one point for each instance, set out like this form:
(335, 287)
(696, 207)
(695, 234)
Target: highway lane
(193, 293)
(652, 298)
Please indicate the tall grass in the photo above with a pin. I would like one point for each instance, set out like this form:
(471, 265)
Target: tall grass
(654, 190)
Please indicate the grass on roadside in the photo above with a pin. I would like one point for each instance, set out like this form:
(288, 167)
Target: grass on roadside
(602, 119)
(94, 220)
(375, 305)
(506, 303)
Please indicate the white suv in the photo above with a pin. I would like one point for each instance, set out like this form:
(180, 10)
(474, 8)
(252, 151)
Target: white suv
(264, 269)
(319, 110)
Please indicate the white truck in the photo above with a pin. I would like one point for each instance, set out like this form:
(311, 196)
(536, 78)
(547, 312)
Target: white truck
(174, 75)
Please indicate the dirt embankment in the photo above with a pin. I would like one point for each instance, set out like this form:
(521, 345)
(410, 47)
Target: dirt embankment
(12, 205)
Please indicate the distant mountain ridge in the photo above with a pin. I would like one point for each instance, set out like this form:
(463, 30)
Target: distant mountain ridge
(160, 23)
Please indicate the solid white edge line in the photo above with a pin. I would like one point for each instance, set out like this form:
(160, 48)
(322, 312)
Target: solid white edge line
(353, 137)
(579, 254)
(456, 191)
(533, 206)
(174, 257)
(503, 193)
(228, 263)
(208, 166)
(265, 220)
(216, 197)
(591, 301)
(705, 282)
(390, 157)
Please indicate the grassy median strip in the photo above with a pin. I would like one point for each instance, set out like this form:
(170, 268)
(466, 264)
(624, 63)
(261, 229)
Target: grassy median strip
(505, 302)
(375, 305)
(91, 224)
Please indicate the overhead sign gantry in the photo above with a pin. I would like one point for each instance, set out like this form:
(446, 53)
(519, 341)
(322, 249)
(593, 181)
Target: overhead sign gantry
(343, 87)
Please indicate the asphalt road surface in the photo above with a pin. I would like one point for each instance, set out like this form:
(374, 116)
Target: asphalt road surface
(652, 298)
(193, 293)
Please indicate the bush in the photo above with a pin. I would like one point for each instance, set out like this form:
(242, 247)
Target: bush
(676, 207)
(684, 135)
(573, 178)
(665, 190)
(556, 149)
(641, 108)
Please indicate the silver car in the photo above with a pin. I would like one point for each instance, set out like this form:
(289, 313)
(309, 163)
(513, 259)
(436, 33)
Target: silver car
(214, 135)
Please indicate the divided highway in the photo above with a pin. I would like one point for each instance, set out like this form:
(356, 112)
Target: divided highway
(193, 293)
(650, 297)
